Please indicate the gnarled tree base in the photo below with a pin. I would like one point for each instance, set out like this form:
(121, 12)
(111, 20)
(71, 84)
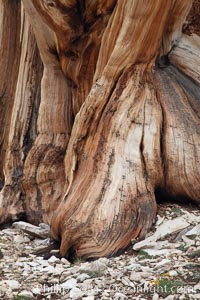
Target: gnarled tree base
(150, 147)
(113, 122)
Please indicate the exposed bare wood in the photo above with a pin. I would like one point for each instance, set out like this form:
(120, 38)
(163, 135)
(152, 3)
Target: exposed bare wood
(189, 48)
(22, 130)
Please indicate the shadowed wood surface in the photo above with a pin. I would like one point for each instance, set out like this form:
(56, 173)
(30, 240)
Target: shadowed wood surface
(9, 64)
(103, 122)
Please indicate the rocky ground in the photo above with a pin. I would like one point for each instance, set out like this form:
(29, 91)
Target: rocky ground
(164, 266)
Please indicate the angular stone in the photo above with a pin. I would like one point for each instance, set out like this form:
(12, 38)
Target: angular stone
(13, 284)
(136, 276)
(53, 259)
(165, 263)
(9, 232)
(18, 239)
(75, 293)
(82, 277)
(26, 294)
(33, 230)
(156, 252)
(188, 241)
(43, 262)
(159, 220)
(173, 273)
(41, 243)
(65, 261)
(97, 267)
(36, 291)
(119, 296)
(69, 284)
(194, 231)
(166, 228)
(49, 269)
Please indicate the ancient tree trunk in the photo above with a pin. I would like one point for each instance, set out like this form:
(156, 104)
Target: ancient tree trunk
(103, 122)
(9, 63)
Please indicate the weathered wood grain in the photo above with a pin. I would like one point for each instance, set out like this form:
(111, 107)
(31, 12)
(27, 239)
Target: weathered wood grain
(105, 121)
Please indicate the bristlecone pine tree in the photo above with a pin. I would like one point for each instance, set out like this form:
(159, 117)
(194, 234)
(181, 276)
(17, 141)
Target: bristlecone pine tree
(100, 105)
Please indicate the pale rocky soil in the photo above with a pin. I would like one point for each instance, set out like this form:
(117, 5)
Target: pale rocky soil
(165, 266)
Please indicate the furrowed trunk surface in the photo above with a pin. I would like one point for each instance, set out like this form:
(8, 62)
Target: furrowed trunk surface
(100, 104)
